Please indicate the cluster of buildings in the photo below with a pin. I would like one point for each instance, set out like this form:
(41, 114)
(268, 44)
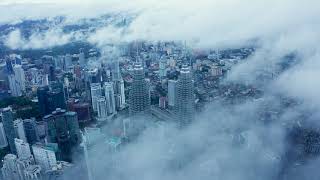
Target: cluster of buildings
(79, 95)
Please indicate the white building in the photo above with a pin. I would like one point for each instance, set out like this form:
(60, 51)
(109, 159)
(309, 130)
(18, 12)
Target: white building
(3, 138)
(17, 81)
(19, 129)
(102, 109)
(110, 99)
(171, 92)
(23, 149)
(67, 61)
(96, 92)
(44, 156)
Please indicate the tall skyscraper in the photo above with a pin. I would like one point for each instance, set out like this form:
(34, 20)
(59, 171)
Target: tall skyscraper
(17, 81)
(82, 58)
(67, 62)
(96, 92)
(184, 100)
(171, 92)
(102, 108)
(110, 99)
(30, 128)
(139, 96)
(19, 128)
(73, 127)
(162, 68)
(7, 120)
(3, 138)
(23, 149)
(44, 156)
(120, 98)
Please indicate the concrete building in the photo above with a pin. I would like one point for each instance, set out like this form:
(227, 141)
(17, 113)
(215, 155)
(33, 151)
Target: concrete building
(9, 169)
(110, 99)
(23, 149)
(3, 138)
(17, 81)
(7, 120)
(139, 97)
(19, 128)
(184, 100)
(96, 92)
(44, 156)
(171, 92)
(102, 109)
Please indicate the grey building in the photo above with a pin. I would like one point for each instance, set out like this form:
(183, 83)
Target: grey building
(139, 97)
(8, 125)
(184, 98)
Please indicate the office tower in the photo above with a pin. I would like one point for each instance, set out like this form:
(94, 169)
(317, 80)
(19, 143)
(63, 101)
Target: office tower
(23, 149)
(42, 99)
(171, 92)
(163, 102)
(162, 68)
(18, 127)
(82, 58)
(3, 138)
(82, 109)
(30, 129)
(110, 100)
(73, 127)
(96, 92)
(67, 62)
(9, 66)
(45, 156)
(7, 120)
(17, 81)
(50, 98)
(9, 169)
(120, 99)
(63, 128)
(139, 96)
(116, 74)
(102, 108)
(184, 100)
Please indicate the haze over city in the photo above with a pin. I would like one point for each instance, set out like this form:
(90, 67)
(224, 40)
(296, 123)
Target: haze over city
(149, 89)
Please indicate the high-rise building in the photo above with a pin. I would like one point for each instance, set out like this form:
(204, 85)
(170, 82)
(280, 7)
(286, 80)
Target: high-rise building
(120, 98)
(184, 100)
(82, 58)
(67, 62)
(23, 149)
(73, 127)
(7, 120)
(63, 128)
(9, 168)
(30, 128)
(17, 81)
(45, 156)
(110, 99)
(96, 92)
(102, 109)
(50, 98)
(3, 138)
(171, 92)
(19, 128)
(139, 97)
(162, 68)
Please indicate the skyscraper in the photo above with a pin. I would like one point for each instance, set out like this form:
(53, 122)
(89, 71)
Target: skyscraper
(3, 138)
(7, 120)
(120, 98)
(19, 128)
(139, 96)
(171, 92)
(30, 128)
(73, 127)
(17, 81)
(82, 58)
(9, 168)
(102, 108)
(184, 100)
(110, 99)
(23, 149)
(44, 156)
(95, 94)
(162, 68)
